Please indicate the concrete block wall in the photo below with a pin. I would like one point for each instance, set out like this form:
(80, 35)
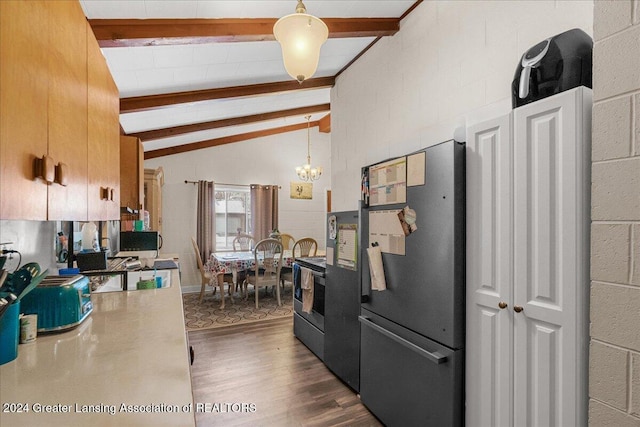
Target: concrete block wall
(450, 62)
(614, 366)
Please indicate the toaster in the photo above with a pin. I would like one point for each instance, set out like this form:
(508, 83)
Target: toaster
(61, 302)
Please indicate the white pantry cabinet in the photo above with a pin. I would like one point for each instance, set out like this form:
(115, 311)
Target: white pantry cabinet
(528, 221)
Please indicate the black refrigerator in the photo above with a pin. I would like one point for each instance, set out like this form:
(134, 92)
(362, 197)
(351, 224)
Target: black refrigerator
(412, 327)
(342, 297)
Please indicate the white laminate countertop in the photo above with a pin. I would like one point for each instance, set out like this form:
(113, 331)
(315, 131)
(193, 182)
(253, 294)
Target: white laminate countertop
(126, 365)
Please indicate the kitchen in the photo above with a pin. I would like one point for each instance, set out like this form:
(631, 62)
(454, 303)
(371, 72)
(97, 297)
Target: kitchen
(375, 120)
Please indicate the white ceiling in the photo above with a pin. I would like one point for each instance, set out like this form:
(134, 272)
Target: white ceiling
(151, 70)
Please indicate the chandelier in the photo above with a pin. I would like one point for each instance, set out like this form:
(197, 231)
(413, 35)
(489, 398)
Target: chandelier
(306, 172)
(300, 36)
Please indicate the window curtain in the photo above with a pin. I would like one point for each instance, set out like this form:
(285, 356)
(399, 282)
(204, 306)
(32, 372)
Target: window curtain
(264, 210)
(206, 221)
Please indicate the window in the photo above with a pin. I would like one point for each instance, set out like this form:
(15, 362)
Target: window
(233, 214)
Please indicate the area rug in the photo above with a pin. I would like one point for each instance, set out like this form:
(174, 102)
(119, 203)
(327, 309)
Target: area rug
(207, 314)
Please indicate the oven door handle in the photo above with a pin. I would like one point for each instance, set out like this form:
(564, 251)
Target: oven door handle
(434, 357)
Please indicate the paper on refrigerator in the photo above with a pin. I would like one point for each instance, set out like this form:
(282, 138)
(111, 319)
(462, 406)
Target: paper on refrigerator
(376, 269)
(386, 231)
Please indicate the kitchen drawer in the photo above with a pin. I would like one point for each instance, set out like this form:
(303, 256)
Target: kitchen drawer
(310, 336)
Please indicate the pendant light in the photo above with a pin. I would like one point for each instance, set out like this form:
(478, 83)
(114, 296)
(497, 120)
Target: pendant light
(300, 35)
(306, 172)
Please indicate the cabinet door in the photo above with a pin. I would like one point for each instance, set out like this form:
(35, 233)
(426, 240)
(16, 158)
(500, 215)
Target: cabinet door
(489, 268)
(132, 174)
(551, 267)
(24, 85)
(103, 136)
(153, 181)
(67, 112)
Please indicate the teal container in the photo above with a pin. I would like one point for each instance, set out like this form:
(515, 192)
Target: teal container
(10, 333)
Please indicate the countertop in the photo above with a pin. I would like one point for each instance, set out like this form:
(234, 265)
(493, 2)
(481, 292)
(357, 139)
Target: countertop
(126, 365)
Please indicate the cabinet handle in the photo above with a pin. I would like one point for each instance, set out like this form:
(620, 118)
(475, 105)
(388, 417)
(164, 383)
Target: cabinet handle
(62, 170)
(432, 356)
(106, 193)
(502, 305)
(43, 167)
(518, 308)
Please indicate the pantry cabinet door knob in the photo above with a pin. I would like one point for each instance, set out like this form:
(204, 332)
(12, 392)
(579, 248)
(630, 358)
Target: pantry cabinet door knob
(518, 308)
(502, 305)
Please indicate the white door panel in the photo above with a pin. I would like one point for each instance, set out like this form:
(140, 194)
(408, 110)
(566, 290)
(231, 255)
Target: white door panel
(489, 240)
(549, 265)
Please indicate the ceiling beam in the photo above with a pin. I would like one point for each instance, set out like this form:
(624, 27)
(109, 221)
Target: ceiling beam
(152, 154)
(163, 32)
(324, 124)
(233, 121)
(151, 102)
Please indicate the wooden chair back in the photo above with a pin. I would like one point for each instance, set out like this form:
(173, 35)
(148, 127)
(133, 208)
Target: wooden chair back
(243, 242)
(198, 257)
(268, 264)
(287, 241)
(305, 247)
(268, 261)
(207, 278)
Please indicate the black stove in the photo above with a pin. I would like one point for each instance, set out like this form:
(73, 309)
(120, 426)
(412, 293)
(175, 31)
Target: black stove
(315, 263)
(308, 326)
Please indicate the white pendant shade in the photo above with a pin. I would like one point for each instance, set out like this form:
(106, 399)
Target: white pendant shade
(300, 36)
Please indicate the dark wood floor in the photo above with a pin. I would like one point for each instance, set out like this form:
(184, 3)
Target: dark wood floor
(261, 375)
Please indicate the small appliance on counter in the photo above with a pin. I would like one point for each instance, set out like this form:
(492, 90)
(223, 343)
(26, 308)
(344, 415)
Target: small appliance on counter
(91, 260)
(557, 64)
(61, 302)
(131, 241)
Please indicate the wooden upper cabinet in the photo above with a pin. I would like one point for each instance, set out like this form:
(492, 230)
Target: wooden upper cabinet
(68, 109)
(103, 136)
(49, 108)
(24, 88)
(132, 175)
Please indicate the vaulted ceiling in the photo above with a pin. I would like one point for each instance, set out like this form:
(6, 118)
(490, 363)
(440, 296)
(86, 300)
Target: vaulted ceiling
(194, 74)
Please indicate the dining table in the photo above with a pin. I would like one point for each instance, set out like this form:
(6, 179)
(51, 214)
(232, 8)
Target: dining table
(225, 262)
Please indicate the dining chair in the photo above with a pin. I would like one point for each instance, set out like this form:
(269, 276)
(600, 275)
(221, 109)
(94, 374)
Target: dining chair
(243, 242)
(287, 244)
(304, 247)
(266, 270)
(206, 276)
(287, 241)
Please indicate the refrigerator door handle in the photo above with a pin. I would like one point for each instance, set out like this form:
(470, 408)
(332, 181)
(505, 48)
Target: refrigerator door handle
(434, 357)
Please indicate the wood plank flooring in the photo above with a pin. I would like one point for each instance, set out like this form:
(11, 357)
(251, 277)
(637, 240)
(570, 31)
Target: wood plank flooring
(259, 374)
